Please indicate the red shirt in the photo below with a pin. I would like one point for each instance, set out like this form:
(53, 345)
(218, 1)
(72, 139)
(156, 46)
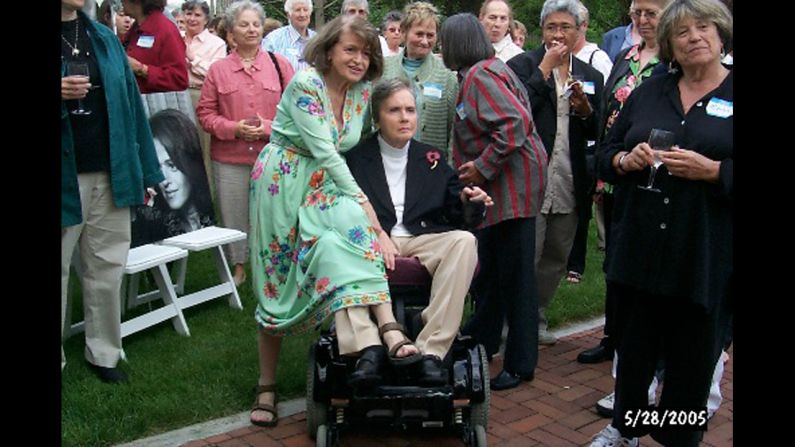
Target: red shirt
(156, 42)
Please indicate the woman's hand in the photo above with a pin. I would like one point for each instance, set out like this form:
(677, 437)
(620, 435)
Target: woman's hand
(641, 156)
(250, 133)
(388, 249)
(469, 174)
(690, 165)
(137, 67)
(74, 87)
(475, 194)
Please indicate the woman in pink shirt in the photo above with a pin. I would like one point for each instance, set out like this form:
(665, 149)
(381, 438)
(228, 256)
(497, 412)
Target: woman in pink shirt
(237, 105)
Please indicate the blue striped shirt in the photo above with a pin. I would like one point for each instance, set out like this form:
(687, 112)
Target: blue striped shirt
(289, 43)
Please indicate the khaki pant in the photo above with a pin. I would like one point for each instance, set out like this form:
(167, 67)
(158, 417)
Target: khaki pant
(204, 139)
(451, 258)
(104, 238)
(232, 187)
(554, 238)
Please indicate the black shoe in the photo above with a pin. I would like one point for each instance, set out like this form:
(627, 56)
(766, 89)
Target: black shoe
(109, 375)
(431, 371)
(595, 355)
(506, 380)
(368, 367)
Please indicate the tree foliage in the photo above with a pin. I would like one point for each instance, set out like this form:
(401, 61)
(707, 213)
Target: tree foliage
(605, 14)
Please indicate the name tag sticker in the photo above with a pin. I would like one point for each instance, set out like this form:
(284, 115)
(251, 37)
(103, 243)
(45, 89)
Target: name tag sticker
(588, 87)
(459, 109)
(432, 90)
(720, 108)
(146, 41)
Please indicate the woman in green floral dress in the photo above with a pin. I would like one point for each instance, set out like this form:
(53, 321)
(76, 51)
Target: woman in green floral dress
(315, 239)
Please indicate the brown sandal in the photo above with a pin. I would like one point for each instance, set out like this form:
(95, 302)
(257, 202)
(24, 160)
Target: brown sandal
(392, 355)
(260, 389)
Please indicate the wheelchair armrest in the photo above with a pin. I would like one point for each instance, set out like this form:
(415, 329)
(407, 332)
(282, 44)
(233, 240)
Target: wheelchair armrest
(409, 272)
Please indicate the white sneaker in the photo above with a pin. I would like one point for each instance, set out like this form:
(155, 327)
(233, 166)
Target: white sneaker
(611, 437)
(546, 338)
(605, 405)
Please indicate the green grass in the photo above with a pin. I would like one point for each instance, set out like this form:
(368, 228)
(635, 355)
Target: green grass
(177, 381)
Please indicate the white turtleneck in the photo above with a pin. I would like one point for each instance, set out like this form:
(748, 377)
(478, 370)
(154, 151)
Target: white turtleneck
(395, 161)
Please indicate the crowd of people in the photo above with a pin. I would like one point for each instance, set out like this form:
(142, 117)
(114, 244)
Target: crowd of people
(339, 148)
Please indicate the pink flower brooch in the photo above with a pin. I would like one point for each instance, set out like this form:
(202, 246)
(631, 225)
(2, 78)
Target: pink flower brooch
(433, 158)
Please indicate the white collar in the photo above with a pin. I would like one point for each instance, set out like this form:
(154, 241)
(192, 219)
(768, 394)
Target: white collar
(392, 151)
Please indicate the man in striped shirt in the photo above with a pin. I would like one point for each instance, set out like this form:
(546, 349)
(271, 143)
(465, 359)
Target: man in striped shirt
(290, 40)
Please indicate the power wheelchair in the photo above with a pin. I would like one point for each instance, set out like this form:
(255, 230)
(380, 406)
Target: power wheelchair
(399, 403)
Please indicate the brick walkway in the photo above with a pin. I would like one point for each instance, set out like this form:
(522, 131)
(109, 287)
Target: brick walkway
(555, 409)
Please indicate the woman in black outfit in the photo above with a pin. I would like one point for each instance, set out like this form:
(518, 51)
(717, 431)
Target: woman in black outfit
(672, 250)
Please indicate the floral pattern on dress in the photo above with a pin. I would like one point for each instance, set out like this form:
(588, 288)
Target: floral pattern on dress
(310, 105)
(286, 166)
(277, 258)
(302, 218)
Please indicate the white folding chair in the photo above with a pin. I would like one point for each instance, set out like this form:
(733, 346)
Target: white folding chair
(140, 259)
(213, 238)
(154, 257)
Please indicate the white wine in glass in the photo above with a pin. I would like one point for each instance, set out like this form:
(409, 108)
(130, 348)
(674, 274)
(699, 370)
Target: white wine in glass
(659, 140)
(78, 69)
(253, 121)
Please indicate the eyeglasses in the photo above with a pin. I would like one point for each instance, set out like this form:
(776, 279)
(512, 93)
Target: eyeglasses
(638, 13)
(565, 28)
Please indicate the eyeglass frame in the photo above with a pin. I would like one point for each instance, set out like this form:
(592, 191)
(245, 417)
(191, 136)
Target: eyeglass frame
(639, 13)
(564, 28)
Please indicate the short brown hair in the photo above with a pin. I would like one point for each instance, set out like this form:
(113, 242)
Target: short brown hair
(316, 51)
(708, 10)
(417, 13)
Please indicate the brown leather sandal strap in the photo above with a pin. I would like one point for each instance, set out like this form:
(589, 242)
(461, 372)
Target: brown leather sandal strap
(265, 407)
(396, 348)
(266, 389)
(393, 326)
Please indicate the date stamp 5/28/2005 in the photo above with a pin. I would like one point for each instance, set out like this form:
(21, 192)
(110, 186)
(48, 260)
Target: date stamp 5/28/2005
(667, 418)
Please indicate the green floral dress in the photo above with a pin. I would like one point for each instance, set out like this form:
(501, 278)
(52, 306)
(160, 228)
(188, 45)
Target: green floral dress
(313, 250)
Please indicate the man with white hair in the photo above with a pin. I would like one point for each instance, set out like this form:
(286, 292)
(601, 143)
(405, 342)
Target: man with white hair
(290, 40)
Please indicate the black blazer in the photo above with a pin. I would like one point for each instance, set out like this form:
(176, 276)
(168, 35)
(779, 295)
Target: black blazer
(543, 100)
(433, 196)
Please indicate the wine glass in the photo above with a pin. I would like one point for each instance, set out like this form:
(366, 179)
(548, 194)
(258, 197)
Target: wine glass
(253, 121)
(659, 140)
(78, 69)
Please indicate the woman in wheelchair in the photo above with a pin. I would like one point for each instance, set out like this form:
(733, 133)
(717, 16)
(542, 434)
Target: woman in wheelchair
(422, 206)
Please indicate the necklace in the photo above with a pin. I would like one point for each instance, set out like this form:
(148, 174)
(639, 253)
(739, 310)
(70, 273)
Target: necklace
(75, 51)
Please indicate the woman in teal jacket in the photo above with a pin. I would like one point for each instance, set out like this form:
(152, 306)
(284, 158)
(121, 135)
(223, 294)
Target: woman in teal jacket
(108, 160)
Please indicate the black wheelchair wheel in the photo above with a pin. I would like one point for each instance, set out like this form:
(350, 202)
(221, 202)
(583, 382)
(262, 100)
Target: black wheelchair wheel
(480, 436)
(316, 412)
(479, 414)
